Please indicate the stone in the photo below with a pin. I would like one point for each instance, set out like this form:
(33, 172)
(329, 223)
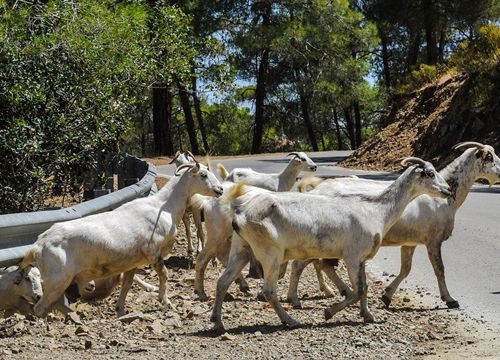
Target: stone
(226, 336)
(128, 318)
(82, 330)
(73, 317)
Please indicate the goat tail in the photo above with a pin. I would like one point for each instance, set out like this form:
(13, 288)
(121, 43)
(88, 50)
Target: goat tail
(308, 183)
(222, 171)
(29, 258)
(229, 196)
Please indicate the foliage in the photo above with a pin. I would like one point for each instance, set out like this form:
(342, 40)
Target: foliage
(228, 127)
(72, 77)
(480, 55)
(418, 78)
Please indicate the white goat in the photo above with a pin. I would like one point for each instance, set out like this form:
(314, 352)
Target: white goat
(219, 232)
(19, 289)
(137, 233)
(180, 159)
(218, 223)
(426, 221)
(284, 226)
(282, 181)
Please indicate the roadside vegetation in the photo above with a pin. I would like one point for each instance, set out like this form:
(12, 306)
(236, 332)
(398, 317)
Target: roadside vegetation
(83, 81)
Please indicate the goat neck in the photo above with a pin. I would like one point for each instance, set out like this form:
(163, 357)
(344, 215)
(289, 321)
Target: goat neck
(288, 176)
(175, 194)
(394, 199)
(461, 174)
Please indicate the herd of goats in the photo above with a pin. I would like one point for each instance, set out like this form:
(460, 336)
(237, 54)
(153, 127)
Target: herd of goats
(267, 219)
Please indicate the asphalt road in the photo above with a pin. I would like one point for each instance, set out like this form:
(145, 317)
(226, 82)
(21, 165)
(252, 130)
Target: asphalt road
(471, 256)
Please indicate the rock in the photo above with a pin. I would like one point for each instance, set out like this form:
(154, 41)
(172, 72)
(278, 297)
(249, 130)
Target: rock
(257, 333)
(128, 318)
(20, 327)
(88, 344)
(15, 350)
(81, 330)
(73, 317)
(227, 336)
(405, 299)
(173, 321)
(157, 327)
(67, 332)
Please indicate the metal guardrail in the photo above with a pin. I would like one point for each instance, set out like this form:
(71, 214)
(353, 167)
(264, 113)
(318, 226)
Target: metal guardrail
(19, 231)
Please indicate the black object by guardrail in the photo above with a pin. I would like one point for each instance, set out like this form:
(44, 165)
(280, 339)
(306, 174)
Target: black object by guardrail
(19, 231)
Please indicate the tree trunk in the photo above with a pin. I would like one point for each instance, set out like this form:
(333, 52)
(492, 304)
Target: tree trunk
(350, 127)
(260, 89)
(413, 50)
(188, 115)
(385, 58)
(430, 31)
(199, 114)
(324, 132)
(357, 118)
(442, 43)
(337, 130)
(305, 112)
(143, 133)
(162, 112)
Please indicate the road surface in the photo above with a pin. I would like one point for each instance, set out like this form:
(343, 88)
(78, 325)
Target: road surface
(471, 256)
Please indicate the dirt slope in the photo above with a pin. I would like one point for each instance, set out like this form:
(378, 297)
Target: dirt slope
(429, 121)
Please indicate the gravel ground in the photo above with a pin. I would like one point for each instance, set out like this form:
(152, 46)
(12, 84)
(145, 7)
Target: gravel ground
(413, 328)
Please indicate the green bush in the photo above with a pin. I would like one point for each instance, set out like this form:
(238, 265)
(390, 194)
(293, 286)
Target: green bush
(73, 76)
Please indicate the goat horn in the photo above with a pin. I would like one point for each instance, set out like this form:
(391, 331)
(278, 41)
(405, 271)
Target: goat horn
(175, 158)
(412, 160)
(294, 154)
(191, 154)
(183, 166)
(468, 144)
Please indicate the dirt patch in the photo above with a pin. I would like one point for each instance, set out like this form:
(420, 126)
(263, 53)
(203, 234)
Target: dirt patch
(428, 123)
(413, 328)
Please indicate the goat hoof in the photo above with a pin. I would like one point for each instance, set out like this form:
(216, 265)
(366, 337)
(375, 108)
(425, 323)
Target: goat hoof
(245, 289)
(386, 300)
(261, 297)
(452, 304)
(328, 314)
(219, 329)
(297, 305)
(368, 318)
(228, 297)
(203, 297)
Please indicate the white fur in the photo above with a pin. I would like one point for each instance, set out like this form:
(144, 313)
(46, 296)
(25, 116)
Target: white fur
(426, 221)
(282, 181)
(181, 159)
(137, 233)
(285, 226)
(19, 289)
